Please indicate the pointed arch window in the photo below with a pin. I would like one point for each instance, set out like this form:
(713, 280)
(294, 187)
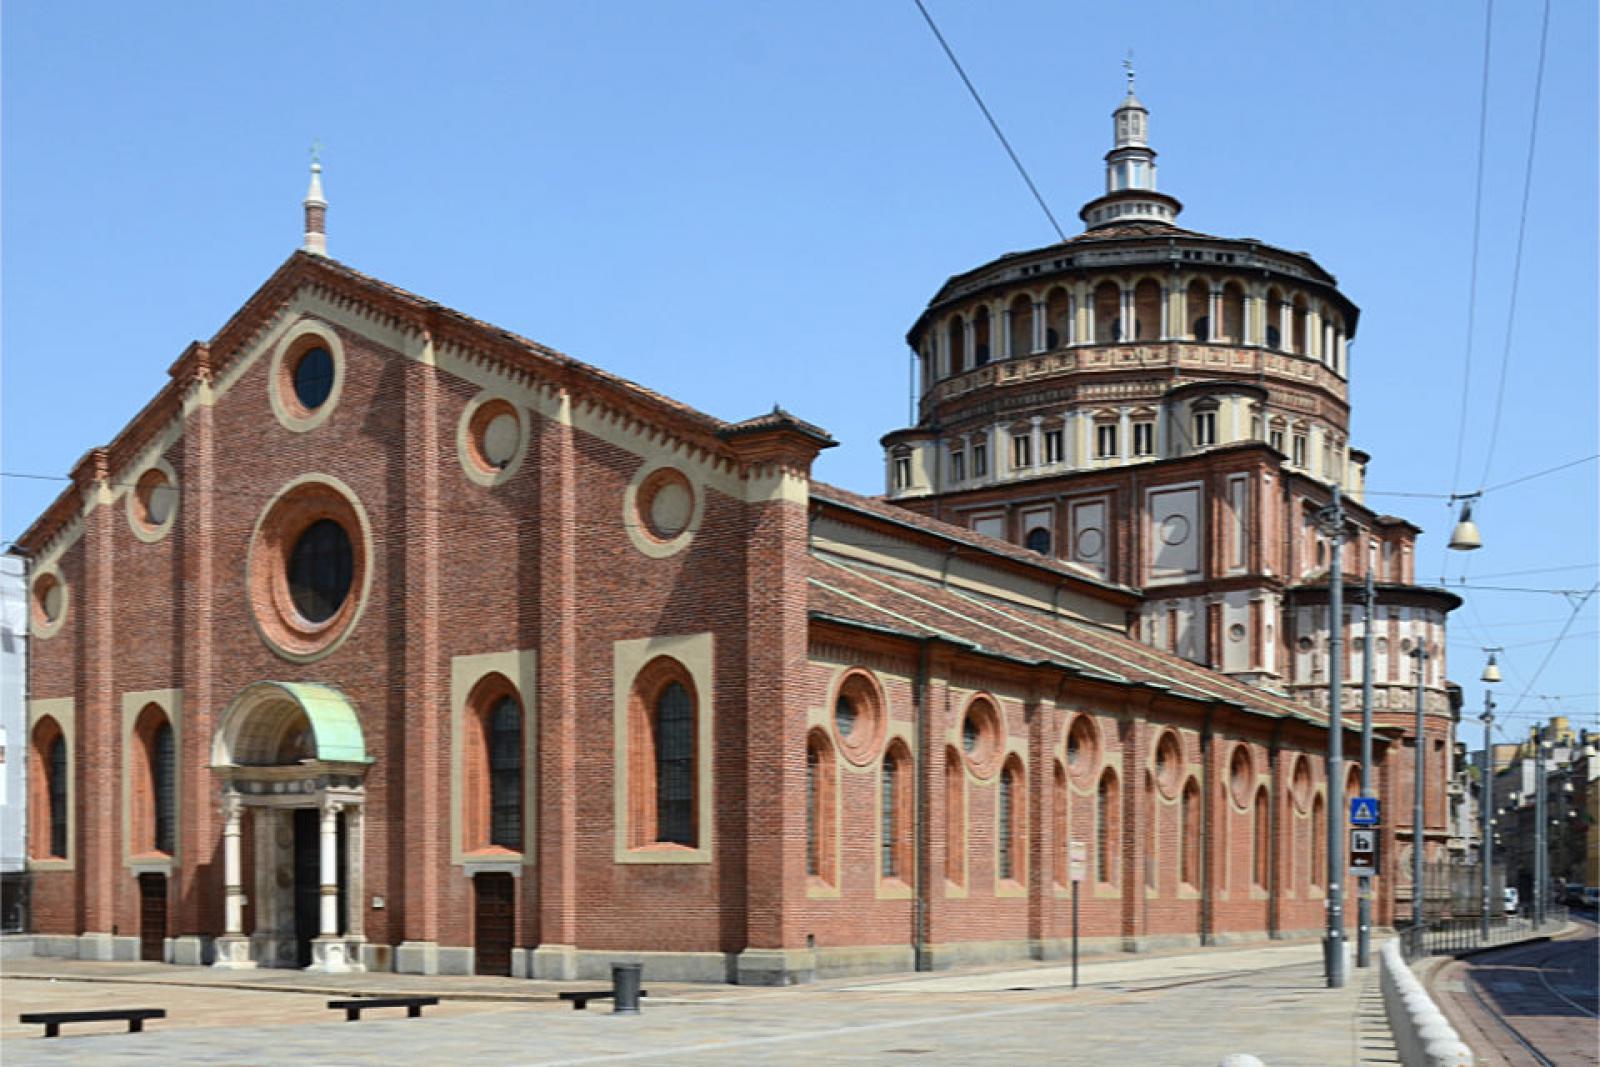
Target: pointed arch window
(1189, 866)
(1260, 853)
(1106, 829)
(821, 814)
(504, 728)
(894, 834)
(955, 805)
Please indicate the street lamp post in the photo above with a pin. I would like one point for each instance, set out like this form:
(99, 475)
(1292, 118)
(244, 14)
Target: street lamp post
(1486, 808)
(1541, 830)
(1420, 775)
(1364, 904)
(1331, 518)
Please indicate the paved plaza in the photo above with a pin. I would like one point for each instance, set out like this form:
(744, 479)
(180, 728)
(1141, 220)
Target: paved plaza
(1178, 1010)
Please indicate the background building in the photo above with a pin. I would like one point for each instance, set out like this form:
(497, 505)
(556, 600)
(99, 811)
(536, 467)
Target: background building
(13, 731)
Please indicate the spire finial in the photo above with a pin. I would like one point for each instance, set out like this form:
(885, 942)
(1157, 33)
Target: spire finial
(316, 237)
(1127, 66)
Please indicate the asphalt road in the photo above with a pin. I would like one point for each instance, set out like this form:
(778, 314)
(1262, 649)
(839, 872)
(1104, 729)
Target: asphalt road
(1533, 1005)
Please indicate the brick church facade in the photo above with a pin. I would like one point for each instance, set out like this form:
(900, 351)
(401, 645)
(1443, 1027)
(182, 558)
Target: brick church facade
(384, 639)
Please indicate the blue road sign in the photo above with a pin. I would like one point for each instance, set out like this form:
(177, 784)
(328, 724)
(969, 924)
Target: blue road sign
(1363, 811)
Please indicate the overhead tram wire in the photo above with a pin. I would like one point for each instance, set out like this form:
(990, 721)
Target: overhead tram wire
(995, 126)
(1522, 231)
(1554, 646)
(1477, 229)
(1486, 489)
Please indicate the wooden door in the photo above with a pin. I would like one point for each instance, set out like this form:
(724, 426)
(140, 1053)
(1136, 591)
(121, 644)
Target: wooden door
(494, 914)
(152, 917)
(307, 883)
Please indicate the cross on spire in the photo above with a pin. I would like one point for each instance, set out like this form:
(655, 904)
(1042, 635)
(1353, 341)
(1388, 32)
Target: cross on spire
(1127, 66)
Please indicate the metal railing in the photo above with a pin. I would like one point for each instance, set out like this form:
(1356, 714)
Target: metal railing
(1453, 936)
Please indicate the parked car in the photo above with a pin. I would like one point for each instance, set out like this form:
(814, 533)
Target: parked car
(1512, 900)
(1571, 895)
(1591, 896)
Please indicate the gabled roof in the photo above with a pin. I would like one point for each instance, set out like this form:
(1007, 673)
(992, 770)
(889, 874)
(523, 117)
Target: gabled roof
(410, 311)
(860, 594)
(1052, 569)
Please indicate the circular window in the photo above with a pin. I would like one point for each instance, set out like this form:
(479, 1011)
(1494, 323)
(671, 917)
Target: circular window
(1169, 764)
(153, 503)
(1038, 540)
(49, 602)
(981, 737)
(1236, 632)
(662, 511)
(309, 569)
(665, 504)
(1241, 775)
(313, 377)
(1083, 749)
(319, 570)
(859, 720)
(491, 440)
(1383, 646)
(1300, 784)
(307, 376)
(1174, 530)
(1305, 644)
(1090, 542)
(844, 717)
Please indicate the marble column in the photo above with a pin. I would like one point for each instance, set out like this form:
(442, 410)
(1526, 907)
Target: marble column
(329, 953)
(233, 947)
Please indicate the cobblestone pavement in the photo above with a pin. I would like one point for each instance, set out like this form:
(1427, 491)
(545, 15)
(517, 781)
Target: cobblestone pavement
(1546, 991)
(1179, 1010)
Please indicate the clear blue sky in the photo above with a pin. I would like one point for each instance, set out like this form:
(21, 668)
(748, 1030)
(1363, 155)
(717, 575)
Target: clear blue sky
(746, 203)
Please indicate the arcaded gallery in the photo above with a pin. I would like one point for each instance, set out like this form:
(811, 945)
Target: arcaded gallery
(384, 639)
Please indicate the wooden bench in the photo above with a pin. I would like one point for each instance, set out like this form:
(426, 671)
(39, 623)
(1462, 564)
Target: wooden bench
(354, 1008)
(52, 1020)
(580, 998)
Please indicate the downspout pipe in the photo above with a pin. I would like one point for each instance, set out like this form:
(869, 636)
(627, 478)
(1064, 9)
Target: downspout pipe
(1207, 743)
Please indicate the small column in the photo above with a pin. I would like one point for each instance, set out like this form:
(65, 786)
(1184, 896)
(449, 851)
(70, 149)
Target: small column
(1166, 313)
(1249, 319)
(328, 951)
(1036, 445)
(1214, 315)
(233, 948)
(1124, 435)
(1041, 326)
(1285, 326)
(969, 335)
(1126, 331)
(1005, 333)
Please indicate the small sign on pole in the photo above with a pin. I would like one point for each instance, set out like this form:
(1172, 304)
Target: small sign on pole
(1363, 851)
(1077, 861)
(1363, 811)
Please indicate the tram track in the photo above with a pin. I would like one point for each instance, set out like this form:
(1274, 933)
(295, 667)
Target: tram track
(1541, 963)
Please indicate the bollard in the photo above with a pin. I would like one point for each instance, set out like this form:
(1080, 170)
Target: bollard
(625, 988)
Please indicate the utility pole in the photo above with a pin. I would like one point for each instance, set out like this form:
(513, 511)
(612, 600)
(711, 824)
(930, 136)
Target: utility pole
(1364, 905)
(1420, 775)
(1541, 830)
(1331, 518)
(1486, 808)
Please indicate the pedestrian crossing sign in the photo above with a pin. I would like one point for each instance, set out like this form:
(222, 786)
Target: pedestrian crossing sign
(1363, 811)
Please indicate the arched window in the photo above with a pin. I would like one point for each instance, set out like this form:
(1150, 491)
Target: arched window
(504, 744)
(1038, 540)
(674, 745)
(1298, 317)
(957, 334)
(1058, 319)
(1147, 310)
(955, 811)
(153, 771)
(47, 811)
(664, 787)
(1189, 869)
(1197, 310)
(1272, 313)
(821, 821)
(1021, 326)
(980, 337)
(894, 836)
(1106, 829)
(1107, 312)
(1260, 855)
(1319, 844)
(1013, 840)
(1233, 312)
(1152, 834)
(1058, 819)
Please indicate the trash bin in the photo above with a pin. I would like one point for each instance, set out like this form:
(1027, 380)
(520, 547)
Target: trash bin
(625, 988)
